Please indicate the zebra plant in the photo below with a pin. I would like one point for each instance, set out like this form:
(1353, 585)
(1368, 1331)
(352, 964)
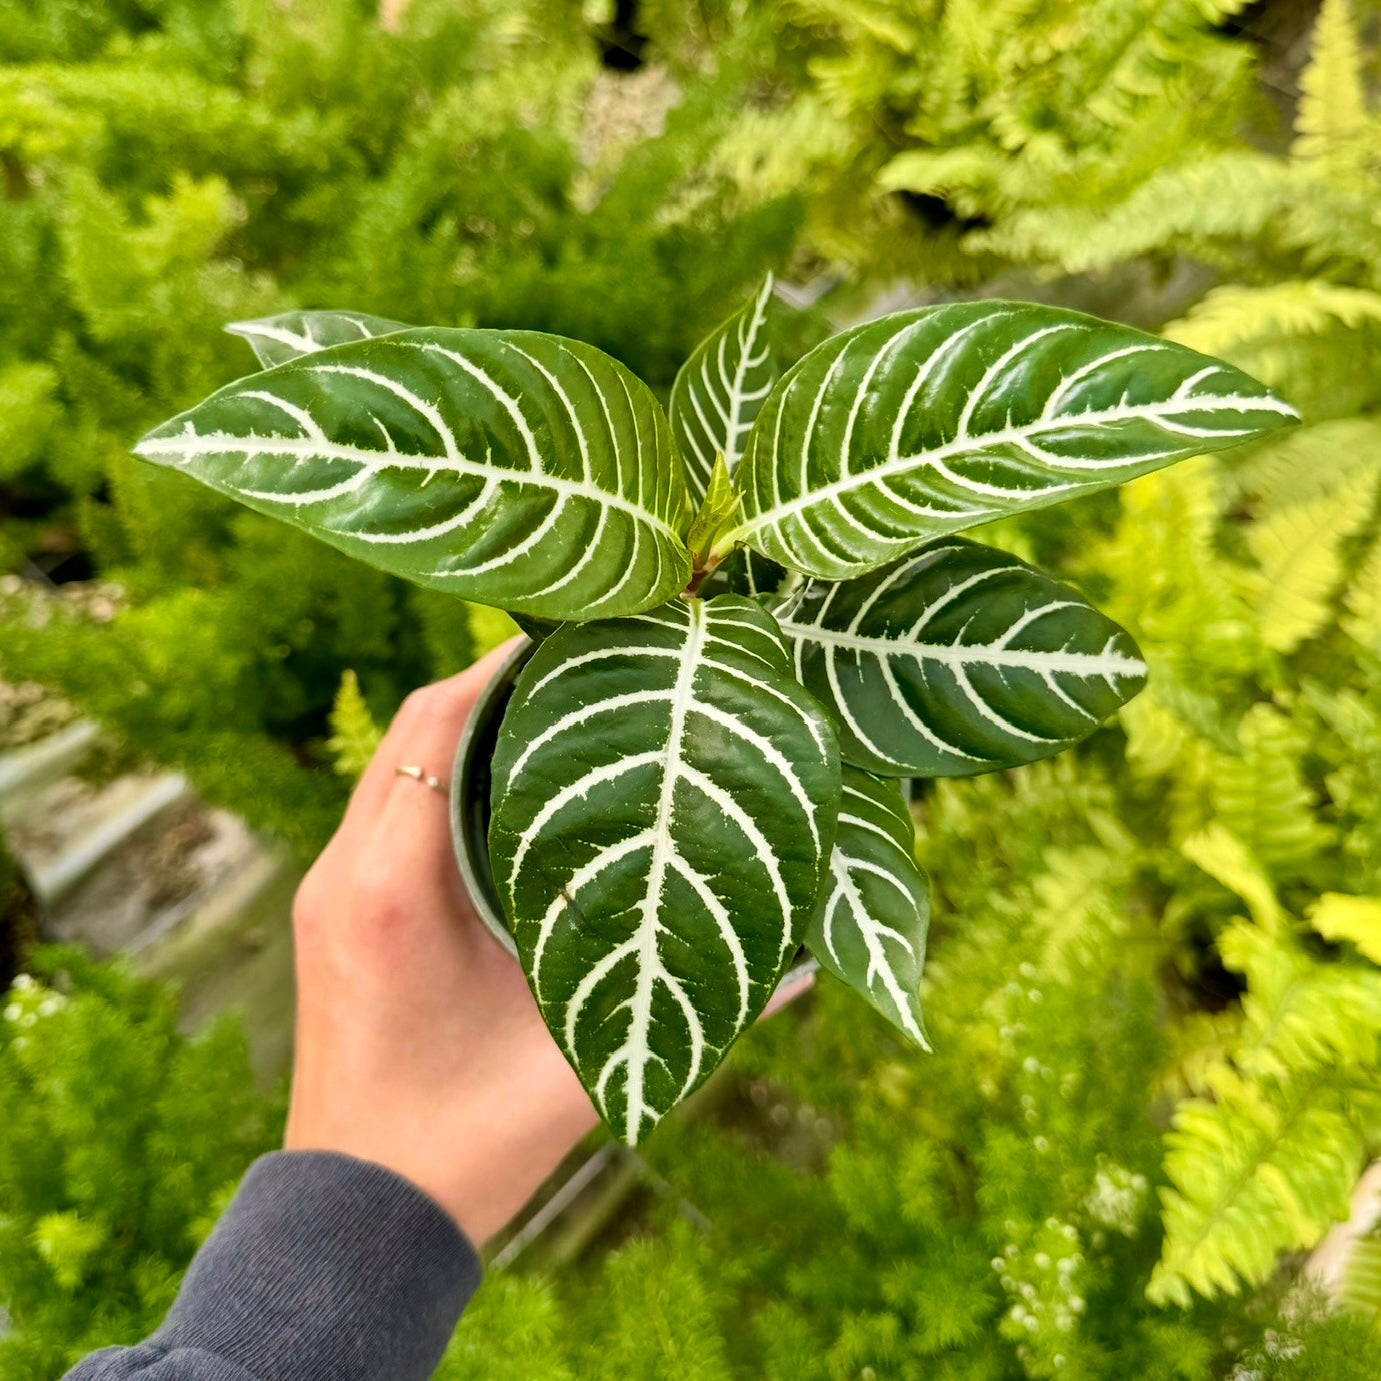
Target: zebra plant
(760, 620)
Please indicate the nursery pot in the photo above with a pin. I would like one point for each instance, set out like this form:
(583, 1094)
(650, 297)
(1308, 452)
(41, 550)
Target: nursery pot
(471, 780)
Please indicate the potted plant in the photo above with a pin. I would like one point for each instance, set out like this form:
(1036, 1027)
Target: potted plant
(752, 616)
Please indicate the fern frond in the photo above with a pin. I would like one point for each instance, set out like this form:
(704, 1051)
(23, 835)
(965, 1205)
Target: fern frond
(1359, 1291)
(1156, 737)
(1233, 316)
(1313, 465)
(1363, 600)
(1076, 910)
(1300, 1014)
(354, 734)
(1299, 552)
(1356, 919)
(1261, 795)
(1228, 861)
(1332, 108)
(1264, 1168)
(1191, 204)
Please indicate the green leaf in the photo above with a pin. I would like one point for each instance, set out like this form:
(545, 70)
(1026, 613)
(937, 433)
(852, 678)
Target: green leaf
(1358, 919)
(721, 389)
(1264, 1168)
(290, 335)
(507, 467)
(934, 420)
(664, 806)
(870, 927)
(960, 659)
(536, 629)
(716, 512)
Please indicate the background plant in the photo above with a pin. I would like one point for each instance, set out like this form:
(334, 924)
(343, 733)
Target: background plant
(122, 1141)
(169, 170)
(1295, 310)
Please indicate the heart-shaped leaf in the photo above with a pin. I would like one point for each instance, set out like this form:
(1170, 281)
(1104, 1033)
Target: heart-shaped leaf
(508, 467)
(290, 335)
(665, 798)
(721, 389)
(931, 421)
(871, 925)
(959, 659)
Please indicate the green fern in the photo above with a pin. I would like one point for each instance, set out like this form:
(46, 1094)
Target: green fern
(1318, 341)
(1363, 600)
(1354, 919)
(1360, 1291)
(1299, 551)
(1228, 861)
(1301, 1015)
(1332, 109)
(1261, 795)
(354, 734)
(1265, 1167)
(1002, 117)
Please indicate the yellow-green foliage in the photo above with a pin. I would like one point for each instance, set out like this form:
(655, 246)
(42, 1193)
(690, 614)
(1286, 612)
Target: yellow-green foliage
(1001, 122)
(1332, 112)
(122, 1140)
(354, 734)
(1248, 581)
(1361, 1287)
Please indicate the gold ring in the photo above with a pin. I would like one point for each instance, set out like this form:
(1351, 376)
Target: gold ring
(407, 769)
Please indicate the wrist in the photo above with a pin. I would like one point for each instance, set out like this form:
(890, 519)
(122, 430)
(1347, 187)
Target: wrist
(480, 1167)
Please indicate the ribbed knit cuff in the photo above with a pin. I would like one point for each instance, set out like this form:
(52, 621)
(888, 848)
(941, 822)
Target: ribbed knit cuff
(326, 1268)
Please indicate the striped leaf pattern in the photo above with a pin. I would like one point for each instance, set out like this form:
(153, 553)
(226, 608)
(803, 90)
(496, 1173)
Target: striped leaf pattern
(290, 335)
(871, 925)
(934, 420)
(721, 389)
(664, 798)
(958, 660)
(507, 467)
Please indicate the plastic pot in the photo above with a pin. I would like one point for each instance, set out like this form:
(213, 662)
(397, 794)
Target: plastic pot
(471, 779)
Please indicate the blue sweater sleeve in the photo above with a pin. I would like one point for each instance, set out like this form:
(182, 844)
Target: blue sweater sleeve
(323, 1268)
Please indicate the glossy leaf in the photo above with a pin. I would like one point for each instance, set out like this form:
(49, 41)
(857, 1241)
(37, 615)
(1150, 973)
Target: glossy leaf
(934, 420)
(664, 806)
(721, 389)
(508, 467)
(960, 659)
(290, 335)
(871, 925)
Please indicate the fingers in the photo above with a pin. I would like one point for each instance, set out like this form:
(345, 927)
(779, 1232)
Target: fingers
(408, 840)
(791, 987)
(424, 732)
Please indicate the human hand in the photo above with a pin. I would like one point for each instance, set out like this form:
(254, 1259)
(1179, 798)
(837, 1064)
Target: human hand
(418, 1044)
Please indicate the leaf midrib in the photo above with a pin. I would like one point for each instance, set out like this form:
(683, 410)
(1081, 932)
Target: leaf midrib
(649, 963)
(981, 654)
(375, 462)
(898, 465)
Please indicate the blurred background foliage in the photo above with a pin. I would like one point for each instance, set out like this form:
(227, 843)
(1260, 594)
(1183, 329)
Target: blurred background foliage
(1155, 983)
